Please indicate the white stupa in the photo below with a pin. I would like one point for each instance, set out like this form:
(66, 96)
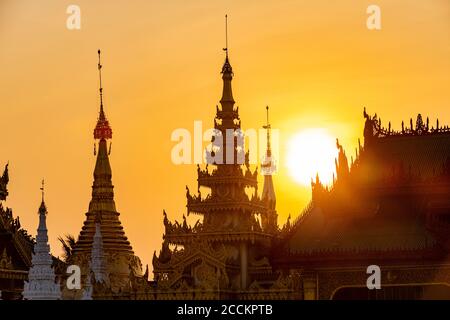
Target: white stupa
(97, 265)
(41, 283)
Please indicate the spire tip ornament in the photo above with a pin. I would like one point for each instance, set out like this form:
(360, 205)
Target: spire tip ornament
(268, 127)
(42, 189)
(102, 130)
(226, 36)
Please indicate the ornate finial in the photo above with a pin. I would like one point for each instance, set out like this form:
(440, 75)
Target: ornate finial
(338, 145)
(100, 77)
(42, 189)
(227, 69)
(227, 100)
(102, 130)
(226, 36)
(268, 127)
(4, 179)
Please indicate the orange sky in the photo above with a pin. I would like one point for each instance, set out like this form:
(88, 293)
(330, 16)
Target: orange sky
(314, 62)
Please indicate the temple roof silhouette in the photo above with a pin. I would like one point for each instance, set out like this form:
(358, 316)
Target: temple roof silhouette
(382, 201)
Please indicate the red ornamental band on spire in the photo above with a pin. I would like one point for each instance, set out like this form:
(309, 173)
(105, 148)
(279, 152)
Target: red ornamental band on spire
(102, 130)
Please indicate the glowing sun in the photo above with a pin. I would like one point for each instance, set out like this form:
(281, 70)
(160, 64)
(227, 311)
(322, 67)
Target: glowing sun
(309, 152)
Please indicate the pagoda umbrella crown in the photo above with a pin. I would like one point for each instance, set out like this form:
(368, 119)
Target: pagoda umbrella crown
(102, 130)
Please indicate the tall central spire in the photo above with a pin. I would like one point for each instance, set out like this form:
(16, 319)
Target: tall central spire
(227, 100)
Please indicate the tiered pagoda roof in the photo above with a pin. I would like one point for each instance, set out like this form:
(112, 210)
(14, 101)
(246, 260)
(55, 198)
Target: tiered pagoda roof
(102, 206)
(226, 182)
(226, 253)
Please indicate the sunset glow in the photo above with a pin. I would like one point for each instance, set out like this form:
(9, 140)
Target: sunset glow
(311, 152)
(315, 63)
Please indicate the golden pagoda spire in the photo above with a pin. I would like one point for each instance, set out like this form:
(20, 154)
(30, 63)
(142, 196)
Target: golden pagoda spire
(102, 221)
(102, 130)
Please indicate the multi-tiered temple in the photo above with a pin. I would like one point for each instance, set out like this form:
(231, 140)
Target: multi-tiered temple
(226, 253)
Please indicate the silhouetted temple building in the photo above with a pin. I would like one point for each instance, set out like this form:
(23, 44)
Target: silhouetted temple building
(16, 247)
(389, 207)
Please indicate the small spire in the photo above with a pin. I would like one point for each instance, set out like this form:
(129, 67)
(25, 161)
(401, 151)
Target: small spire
(42, 189)
(227, 100)
(267, 168)
(4, 179)
(226, 69)
(41, 284)
(268, 127)
(98, 266)
(102, 114)
(102, 130)
(42, 208)
(226, 36)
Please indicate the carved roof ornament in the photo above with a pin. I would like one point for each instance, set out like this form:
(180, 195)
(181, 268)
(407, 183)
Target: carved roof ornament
(4, 179)
(374, 129)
